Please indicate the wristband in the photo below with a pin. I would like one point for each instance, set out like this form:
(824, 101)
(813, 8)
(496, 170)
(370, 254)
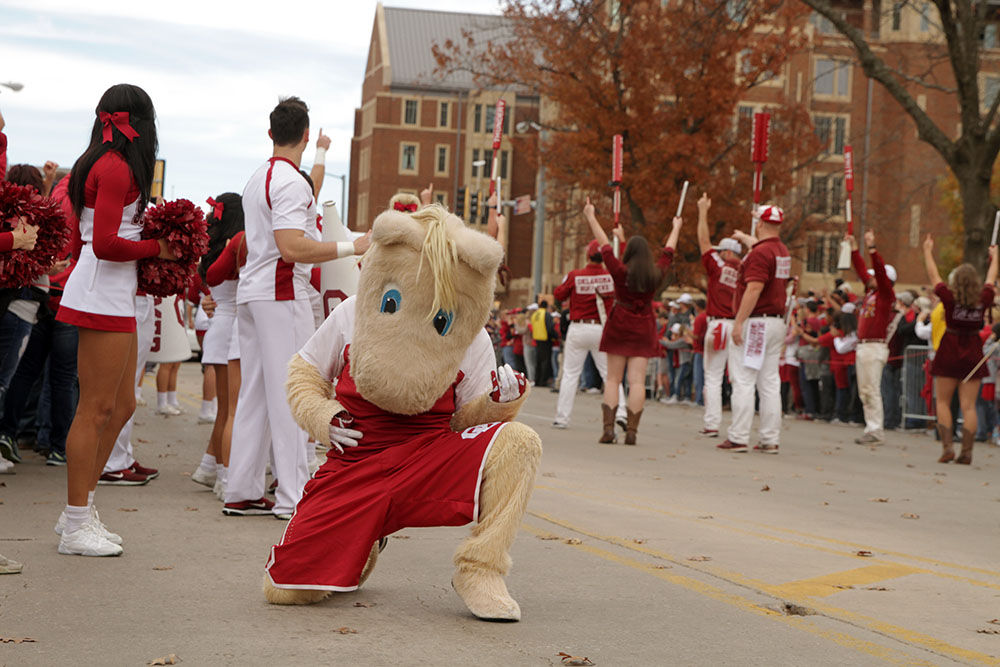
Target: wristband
(344, 249)
(320, 157)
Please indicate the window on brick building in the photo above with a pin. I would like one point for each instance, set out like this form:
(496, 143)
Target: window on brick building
(988, 89)
(832, 78)
(823, 25)
(826, 195)
(441, 198)
(503, 165)
(897, 16)
(925, 17)
(408, 158)
(491, 115)
(990, 40)
(410, 112)
(443, 114)
(832, 133)
(475, 159)
(441, 160)
(818, 195)
(822, 252)
(477, 118)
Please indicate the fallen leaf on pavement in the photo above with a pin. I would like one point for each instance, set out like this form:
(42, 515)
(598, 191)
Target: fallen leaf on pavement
(988, 631)
(657, 478)
(765, 488)
(548, 474)
(638, 540)
(700, 559)
(878, 588)
(548, 537)
(16, 640)
(706, 516)
(140, 440)
(365, 604)
(190, 509)
(568, 659)
(163, 568)
(128, 509)
(572, 540)
(878, 500)
(347, 631)
(661, 567)
(171, 659)
(908, 515)
(995, 621)
(910, 465)
(864, 554)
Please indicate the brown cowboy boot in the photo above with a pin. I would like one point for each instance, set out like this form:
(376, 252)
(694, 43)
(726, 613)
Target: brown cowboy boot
(608, 437)
(633, 426)
(948, 450)
(968, 441)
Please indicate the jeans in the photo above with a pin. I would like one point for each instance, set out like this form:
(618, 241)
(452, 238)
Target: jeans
(555, 361)
(671, 373)
(699, 377)
(508, 356)
(14, 334)
(57, 342)
(682, 383)
(543, 362)
(590, 377)
(891, 390)
(809, 391)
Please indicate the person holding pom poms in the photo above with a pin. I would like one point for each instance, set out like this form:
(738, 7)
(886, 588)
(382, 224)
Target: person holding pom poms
(109, 189)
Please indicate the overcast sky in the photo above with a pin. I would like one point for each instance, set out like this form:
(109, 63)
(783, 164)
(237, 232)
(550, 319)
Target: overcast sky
(214, 70)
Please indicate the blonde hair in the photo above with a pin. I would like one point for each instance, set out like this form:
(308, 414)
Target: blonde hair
(440, 252)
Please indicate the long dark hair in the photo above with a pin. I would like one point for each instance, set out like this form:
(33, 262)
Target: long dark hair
(139, 154)
(220, 230)
(643, 274)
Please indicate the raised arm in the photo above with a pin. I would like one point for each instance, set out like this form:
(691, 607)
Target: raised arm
(744, 238)
(675, 234)
(318, 171)
(932, 270)
(595, 226)
(704, 239)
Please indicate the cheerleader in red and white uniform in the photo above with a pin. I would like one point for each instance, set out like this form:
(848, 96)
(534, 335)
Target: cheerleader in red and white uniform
(220, 270)
(109, 189)
(629, 337)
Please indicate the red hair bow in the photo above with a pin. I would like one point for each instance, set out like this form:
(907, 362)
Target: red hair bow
(405, 208)
(217, 208)
(120, 120)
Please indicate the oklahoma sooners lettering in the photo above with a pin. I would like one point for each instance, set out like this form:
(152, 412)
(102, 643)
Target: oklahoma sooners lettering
(599, 284)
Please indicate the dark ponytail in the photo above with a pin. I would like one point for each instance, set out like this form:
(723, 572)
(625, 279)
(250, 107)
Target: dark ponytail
(220, 230)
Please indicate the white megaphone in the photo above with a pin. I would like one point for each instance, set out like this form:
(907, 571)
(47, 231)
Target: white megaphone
(338, 277)
(170, 340)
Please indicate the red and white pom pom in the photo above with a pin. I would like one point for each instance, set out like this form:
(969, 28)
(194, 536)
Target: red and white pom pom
(183, 226)
(508, 384)
(20, 268)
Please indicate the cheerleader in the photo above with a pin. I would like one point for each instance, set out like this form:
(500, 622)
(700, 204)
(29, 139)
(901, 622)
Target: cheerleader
(109, 189)
(220, 271)
(965, 301)
(629, 337)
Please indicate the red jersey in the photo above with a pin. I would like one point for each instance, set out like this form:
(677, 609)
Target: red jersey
(581, 287)
(722, 277)
(876, 311)
(768, 262)
(699, 328)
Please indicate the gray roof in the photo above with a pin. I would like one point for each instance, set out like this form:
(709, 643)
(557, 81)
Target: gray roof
(412, 33)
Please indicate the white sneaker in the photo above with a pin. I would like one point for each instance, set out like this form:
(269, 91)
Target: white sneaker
(177, 407)
(140, 401)
(594, 390)
(87, 541)
(204, 478)
(95, 521)
(219, 489)
(6, 467)
(559, 425)
(669, 401)
(168, 411)
(207, 419)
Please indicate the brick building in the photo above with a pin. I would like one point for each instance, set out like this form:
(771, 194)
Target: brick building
(415, 127)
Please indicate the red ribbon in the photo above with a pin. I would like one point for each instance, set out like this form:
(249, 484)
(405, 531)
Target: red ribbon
(120, 120)
(217, 208)
(405, 208)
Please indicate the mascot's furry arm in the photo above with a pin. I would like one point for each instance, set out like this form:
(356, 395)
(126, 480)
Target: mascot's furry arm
(311, 397)
(484, 410)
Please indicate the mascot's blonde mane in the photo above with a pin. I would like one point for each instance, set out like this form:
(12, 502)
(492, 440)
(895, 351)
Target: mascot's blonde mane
(441, 255)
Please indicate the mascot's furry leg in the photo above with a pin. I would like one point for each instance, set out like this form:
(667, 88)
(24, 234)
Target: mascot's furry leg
(483, 558)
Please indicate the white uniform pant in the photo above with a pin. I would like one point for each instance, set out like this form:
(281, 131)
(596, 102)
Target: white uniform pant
(714, 362)
(581, 339)
(766, 380)
(271, 332)
(869, 360)
(121, 456)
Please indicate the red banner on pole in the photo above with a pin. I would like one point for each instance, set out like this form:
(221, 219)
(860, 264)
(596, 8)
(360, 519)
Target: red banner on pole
(497, 137)
(758, 151)
(617, 156)
(849, 186)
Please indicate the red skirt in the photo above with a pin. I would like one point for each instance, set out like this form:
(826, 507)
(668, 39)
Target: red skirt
(957, 355)
(630, 334)
(358, 497)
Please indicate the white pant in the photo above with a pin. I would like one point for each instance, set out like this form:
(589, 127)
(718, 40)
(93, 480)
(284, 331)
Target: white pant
(271, 332)
(869, 362)
(715, 369)
(121, 456)
(581, 339)
(766, 380)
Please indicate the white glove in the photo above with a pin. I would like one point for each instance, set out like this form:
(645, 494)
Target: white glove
(508, 384)
(340, 434)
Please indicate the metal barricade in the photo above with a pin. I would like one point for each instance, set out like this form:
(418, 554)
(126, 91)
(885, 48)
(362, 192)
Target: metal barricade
(914, 379)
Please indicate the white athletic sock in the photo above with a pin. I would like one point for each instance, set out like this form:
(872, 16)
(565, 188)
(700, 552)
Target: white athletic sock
(208, 462)
(224, 473)
(75, 518)
(215, 404)
(207, 408)
(161, 399)
(172, 398)
(90, 498)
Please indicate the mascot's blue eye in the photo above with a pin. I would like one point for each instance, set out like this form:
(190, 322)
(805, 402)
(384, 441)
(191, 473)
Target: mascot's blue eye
(442, 321)
(391, 301)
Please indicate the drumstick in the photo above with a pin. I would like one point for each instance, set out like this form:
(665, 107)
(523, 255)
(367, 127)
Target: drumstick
(996, 224)
(684, 192)
(982, 361)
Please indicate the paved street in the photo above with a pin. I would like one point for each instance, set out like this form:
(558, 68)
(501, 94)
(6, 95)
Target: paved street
(665, 553)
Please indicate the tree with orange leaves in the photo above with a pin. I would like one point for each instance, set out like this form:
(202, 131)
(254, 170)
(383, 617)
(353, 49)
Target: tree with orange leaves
(669, 77)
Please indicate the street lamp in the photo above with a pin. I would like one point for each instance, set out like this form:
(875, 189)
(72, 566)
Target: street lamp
(538, 245)
(343, 190)
(13, 85)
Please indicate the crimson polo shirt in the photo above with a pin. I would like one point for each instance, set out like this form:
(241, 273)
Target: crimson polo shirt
(768, 262)
(722, 278)
(582, 287)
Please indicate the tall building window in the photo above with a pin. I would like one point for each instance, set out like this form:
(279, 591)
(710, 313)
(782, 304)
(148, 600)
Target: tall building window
(443, 114)
(475, 159)
(491, 114)
(822, 251)
(897, 16)
(410, 112)
(832, 78)
(408, 158)
(826, 195)
(925, 17)
(441, 160)
(477, 118)
(832, 133)
(503, 165)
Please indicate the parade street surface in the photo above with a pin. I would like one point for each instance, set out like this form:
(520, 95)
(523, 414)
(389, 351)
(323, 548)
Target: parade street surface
(667, 553)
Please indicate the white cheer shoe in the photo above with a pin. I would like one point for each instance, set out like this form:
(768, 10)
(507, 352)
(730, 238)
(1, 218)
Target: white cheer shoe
(95, 521)
(87, 541)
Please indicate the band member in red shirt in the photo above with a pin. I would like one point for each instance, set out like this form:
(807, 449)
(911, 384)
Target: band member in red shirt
(583, 287)
(722, 265)
(758, 335)
(874, 316)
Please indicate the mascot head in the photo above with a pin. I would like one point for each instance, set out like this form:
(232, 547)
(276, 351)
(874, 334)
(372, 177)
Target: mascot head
(424, 294)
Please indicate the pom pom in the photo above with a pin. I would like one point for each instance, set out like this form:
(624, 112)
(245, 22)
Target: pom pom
(183, 226)
(20, 268)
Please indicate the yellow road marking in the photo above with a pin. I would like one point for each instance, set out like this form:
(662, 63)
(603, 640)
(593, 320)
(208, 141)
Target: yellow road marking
(802, 623)
(828, 584)
(875, 625)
